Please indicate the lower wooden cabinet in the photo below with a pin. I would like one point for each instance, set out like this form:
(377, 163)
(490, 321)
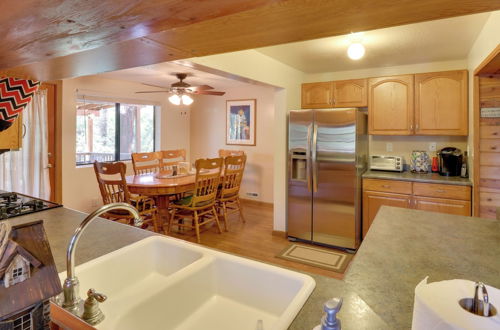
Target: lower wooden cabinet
(373, 200)
(441, 205)
(432, 197)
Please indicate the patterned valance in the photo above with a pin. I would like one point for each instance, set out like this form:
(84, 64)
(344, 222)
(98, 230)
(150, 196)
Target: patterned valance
(15, 94)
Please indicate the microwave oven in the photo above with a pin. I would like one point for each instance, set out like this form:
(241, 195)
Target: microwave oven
(386, 163)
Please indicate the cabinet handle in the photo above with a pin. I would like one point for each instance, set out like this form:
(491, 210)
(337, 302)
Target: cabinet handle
(440, 190)
(24, 131)
(411, 126)
(416, 126)
(386, 186)
(409, 203)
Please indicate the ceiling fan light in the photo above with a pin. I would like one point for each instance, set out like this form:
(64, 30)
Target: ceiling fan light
(186, 99)
(175, 99)
(356, 51)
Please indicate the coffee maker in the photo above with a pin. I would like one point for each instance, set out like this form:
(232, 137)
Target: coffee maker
(450, 161)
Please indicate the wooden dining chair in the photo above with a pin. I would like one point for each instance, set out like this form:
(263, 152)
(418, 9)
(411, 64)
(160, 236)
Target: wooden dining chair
(228, 199)
(170, 158)
(226, 152)
(113, 187)
(146, 162)
(200, 206)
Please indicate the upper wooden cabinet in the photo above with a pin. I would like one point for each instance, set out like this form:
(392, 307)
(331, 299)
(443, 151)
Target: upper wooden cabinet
(350, 93)
(390, 105)
(11, 138)
(335, 94)
(317, 95)
(441, 103)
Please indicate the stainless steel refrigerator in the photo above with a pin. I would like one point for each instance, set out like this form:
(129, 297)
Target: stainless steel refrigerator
(327, 154)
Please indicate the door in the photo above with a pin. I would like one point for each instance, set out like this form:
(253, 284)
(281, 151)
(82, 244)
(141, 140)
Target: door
(373, 200)
(317, 95)
(390, 105)
(441, 103)
(299, 174)
(442, 205)
(334, 177)
(350, 93)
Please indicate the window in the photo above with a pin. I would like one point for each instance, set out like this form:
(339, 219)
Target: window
(23, 322)
(17, 272)
(109, 131)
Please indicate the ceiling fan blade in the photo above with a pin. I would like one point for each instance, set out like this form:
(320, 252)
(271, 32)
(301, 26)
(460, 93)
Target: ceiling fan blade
(200, 88)
(162, 87)
(144, 92)
(209, 93)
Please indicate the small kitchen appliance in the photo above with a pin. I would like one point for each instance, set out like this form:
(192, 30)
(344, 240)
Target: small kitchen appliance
(15, 204)
(450, 161)
(386, 163)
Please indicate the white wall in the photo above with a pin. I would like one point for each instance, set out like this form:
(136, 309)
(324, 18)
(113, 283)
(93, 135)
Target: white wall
(208, 135)
(487, 40)
(79, 186)
(254, 65)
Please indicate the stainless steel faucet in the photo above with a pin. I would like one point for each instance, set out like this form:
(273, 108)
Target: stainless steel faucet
(476, 308)
(72, 299)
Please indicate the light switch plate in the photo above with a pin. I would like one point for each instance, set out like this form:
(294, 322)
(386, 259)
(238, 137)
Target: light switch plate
(388, 147)
(432, 146)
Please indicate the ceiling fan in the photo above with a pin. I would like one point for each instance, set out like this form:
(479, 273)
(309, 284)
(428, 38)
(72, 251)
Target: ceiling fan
(181, 89)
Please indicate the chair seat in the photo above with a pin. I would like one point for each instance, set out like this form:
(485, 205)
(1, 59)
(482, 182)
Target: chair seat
(187, 201)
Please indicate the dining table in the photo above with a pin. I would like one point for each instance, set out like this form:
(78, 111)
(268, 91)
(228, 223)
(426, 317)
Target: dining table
(161, 186)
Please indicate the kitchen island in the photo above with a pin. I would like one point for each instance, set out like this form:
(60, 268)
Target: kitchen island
(401, 248)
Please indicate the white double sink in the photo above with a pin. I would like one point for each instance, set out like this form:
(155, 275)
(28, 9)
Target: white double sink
(165, 283)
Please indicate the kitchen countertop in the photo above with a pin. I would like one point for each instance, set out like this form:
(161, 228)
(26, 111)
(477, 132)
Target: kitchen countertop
(416, 177)
(401, 248)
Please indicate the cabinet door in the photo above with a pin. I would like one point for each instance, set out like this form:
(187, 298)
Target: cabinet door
(373, 200)
(11, 138)
(441, 103)
(442, 205)
(317, 95)
(350, 93)
(390, 105)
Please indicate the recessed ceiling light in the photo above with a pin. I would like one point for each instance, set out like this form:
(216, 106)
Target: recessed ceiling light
(356, 51)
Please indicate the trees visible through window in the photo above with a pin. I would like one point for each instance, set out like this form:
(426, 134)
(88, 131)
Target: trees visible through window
(108, 131)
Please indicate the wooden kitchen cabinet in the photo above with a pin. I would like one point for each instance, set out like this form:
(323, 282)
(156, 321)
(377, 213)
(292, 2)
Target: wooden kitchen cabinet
(11, 138)
(391, 105)
(434, 197)
(373, 200)
(335, 94)
(350, 93)
(441, 103)
(317, 95)
(441, 205)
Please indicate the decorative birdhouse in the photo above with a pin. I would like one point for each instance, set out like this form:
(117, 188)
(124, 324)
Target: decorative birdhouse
(28, 277)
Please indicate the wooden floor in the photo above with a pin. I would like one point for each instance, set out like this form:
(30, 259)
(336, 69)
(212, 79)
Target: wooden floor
(253, 239)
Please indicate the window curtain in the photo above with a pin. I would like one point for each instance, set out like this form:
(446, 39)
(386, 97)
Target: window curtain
(26, 171)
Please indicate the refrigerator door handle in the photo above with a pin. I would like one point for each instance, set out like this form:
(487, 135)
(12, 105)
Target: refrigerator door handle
(314, 158)
(308, 158)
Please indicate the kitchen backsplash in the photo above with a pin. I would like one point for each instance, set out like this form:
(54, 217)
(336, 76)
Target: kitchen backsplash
(404, 145)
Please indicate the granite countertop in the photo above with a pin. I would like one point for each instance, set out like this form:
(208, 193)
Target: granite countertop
(416, 177)
(401, 248)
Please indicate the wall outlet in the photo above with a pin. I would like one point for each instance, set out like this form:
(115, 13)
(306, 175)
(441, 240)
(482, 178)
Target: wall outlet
(388, 147)
(432, 146)
(252, 194)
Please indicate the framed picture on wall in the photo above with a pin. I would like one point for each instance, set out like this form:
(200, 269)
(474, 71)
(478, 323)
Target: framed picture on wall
(240, 122)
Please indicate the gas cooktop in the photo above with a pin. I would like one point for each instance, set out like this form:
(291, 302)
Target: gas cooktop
(14, 204)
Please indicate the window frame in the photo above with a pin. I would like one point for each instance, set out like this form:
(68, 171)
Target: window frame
(118, 129)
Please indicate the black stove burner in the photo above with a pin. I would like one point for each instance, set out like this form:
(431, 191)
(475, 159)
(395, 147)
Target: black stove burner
(14, 204)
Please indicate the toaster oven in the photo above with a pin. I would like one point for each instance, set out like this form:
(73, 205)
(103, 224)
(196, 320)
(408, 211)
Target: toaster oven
(386, 163)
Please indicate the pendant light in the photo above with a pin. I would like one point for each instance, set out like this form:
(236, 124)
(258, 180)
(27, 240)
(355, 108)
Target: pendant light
(356, 50)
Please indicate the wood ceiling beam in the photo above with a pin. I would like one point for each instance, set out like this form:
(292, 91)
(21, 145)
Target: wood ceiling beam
(190, 32)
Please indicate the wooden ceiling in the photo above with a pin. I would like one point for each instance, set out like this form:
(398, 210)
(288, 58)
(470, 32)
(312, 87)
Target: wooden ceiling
(55, 39)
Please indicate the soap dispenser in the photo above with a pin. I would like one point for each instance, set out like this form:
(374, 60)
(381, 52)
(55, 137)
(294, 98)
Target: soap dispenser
(329, 321)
